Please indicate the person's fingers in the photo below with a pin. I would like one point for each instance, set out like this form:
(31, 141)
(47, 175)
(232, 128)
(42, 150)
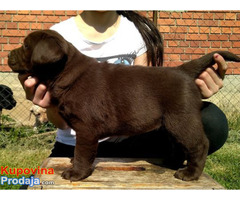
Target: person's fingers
(221, 65)
(42, 96)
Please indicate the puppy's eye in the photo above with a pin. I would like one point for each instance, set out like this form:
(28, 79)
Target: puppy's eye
(25, 46)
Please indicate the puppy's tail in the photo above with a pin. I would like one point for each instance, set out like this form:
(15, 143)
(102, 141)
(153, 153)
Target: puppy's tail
(195, 67)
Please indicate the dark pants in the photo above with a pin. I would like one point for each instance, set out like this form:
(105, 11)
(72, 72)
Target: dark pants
(157, 144)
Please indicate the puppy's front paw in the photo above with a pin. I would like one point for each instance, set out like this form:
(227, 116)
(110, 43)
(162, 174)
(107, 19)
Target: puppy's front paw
(186, 175)
(75, 175)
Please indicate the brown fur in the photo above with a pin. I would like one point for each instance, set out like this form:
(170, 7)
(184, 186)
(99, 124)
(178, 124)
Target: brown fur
(99, 99)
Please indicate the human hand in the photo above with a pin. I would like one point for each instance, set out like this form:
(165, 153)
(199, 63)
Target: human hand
(35, 92)
(39, 95)
(209, 81)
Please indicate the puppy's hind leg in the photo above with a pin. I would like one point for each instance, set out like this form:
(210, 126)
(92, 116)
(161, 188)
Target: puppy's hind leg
(188, 132)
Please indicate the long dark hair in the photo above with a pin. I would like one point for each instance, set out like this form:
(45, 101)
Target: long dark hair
(150, 35)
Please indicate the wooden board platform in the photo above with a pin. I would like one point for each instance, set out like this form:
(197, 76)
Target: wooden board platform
(116, 173)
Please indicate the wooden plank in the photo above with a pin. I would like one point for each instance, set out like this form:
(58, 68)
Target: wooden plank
(125, 173)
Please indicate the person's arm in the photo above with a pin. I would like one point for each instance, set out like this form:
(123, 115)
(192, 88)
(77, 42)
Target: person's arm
(39, 95)
(141, 60)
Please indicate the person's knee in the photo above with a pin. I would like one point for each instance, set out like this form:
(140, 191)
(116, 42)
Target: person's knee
(215, 126)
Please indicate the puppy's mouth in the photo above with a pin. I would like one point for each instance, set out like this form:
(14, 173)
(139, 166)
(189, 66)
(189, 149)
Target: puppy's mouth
(15, 68)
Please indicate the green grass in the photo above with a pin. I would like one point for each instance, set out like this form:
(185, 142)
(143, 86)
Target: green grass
(224, 165)
(21, 147)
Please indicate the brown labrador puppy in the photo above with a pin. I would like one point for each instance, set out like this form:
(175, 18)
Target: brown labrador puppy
(99, 100)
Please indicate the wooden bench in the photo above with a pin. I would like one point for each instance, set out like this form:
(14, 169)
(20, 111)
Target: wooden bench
(124, 173)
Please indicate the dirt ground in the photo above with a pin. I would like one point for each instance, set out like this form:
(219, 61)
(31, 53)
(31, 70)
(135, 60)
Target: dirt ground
(228, 99)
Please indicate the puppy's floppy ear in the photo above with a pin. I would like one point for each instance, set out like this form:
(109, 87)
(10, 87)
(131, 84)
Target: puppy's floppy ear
(48, 50)
(49, 57)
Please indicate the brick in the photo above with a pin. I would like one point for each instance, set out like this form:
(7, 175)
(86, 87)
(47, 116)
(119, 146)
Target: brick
(23, 12)
(172, 43)
(166, 21)
(5, 18)
(36, 12)
(177, 50)
(178, 29)
(205, 44)
(5, 61)
(164, 29)
(176, 15)
(236, 44)
(24, 18)
(171, 36)
(234, 37)
(173, 50)
(184, 57)
(194, 51)
(13, 33)
(236, 71)
(229, 23)
(164, 14)
(187, 15)
(205, 29)
(174, 57)
(36, 26)
(216, 44)
(193, 29)
(14, 40)
(209, 50)
(60, 12)
(12, 25)
(2, 25)
(234, 65)
(219, 16)
(3, 54)
(198, 15)
(208, 15)
(186, 22)
(54, 19)
(63, 18)
(11, 12)
(215, 30)
(72, 12)
(236, 30)
(3, 40)
(48, 12)
(184, 43)
(226, 44)
(172, 63)
(194, 44)
(194, 56)
(5, 68)
(196, 37)
(9, 47)
(208, 23)
(47, 25)
(227, 30)
(230, 16)
(24, 25)
(218, 37)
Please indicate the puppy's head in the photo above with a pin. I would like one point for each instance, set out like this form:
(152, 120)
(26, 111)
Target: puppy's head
(6, 98)
(39, 113)
(43, 54)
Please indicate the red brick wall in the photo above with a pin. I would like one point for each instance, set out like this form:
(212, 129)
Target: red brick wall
(187, 34)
